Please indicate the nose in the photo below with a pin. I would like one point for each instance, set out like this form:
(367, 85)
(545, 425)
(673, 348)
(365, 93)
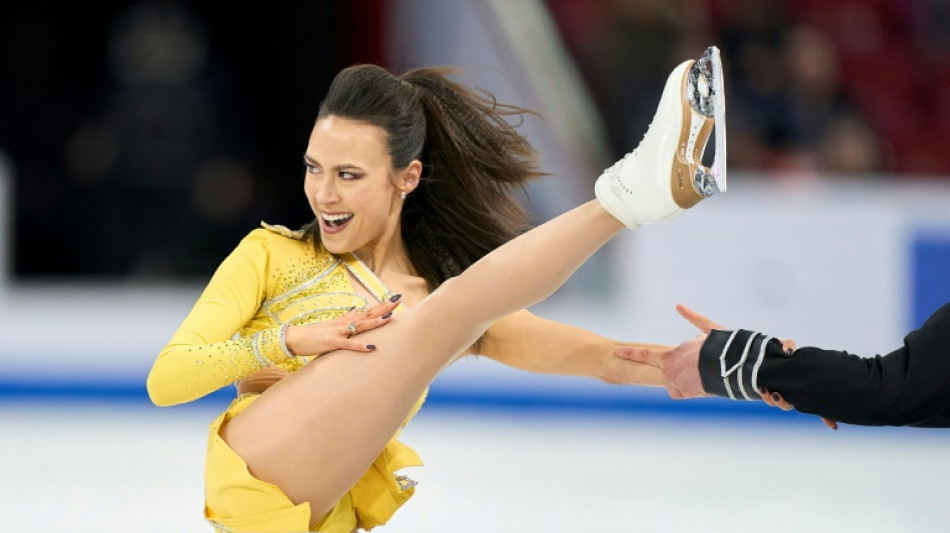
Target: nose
(326, 193)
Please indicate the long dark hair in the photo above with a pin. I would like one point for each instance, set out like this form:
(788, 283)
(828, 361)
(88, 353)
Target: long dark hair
(473, 162)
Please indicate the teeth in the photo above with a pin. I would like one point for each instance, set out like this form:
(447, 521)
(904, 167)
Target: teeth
(335, 218)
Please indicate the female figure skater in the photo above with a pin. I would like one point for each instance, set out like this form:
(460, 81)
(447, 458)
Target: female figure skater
(409, 179)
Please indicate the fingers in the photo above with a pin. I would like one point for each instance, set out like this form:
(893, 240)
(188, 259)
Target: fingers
(788, 345)
(362, 325)
(356, 321)
(374, 311)
(775, 399)
(382, 308)
(703, 323)
(345, 340)
(649, 356)
(356, 346)
(679, 394)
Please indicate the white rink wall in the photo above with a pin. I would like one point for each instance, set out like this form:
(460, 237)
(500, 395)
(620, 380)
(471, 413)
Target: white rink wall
(827, 263)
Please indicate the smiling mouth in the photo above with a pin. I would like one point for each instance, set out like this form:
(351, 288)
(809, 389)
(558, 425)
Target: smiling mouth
(336, 220)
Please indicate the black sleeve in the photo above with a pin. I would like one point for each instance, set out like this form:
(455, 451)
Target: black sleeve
(909, 386)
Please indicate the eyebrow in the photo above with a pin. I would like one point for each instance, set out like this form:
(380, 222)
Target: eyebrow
(310, 161)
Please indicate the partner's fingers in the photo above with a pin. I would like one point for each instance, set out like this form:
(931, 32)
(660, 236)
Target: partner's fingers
(788, 345)
(675, 393)
(702, 322)
(649, 356)
(775, 400)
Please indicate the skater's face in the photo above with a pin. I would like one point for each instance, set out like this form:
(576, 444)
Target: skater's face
(351, 185)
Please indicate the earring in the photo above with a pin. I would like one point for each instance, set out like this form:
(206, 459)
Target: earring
(403, 194)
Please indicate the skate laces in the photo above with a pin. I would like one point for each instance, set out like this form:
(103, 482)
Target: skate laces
(617, 164)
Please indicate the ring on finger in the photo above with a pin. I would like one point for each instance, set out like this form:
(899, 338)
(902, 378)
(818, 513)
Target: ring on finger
(352, 328)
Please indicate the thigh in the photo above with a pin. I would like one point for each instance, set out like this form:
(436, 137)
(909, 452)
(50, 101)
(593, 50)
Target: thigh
(316, 432)
(237, 501)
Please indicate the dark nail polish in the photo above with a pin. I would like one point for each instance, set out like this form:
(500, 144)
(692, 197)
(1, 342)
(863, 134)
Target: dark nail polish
(370, 346)
(776, 397)
(395, 298)
(387, 315)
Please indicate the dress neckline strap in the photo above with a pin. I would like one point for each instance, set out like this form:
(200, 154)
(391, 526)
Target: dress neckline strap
(366, 277)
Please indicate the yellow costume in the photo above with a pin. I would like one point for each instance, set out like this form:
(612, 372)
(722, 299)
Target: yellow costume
(272, 279)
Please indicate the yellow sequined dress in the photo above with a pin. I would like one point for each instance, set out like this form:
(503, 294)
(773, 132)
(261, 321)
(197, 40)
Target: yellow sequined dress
(274, 277)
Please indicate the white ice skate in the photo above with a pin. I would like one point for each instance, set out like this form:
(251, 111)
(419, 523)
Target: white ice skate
(664, 175)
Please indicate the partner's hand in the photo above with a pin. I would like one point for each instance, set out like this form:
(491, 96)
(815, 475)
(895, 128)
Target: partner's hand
(680, 366)
(706, 325)
(339, 334)
(775, 399)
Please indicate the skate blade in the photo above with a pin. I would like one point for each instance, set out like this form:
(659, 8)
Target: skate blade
(707, 97)
(718, 170)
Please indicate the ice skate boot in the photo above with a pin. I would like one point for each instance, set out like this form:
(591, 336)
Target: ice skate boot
(664, 175)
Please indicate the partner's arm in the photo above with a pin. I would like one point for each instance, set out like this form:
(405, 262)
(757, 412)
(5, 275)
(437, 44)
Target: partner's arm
(909, 386)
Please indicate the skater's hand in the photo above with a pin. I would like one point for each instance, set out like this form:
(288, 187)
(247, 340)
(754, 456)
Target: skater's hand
(261, 380)
(322, 337)
(680, 366)
(340, 333)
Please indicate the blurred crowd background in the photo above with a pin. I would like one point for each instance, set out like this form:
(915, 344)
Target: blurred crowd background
(144, 138)
(814, 86)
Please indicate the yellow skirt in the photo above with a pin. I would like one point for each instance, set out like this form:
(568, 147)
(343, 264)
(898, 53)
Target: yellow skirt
(236, 501)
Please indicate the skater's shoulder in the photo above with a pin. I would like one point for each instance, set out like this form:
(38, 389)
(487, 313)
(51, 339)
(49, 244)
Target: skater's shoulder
(278, 240)
(284, 231)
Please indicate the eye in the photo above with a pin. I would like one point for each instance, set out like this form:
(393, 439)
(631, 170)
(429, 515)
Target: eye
(346, 175)
(311, 169)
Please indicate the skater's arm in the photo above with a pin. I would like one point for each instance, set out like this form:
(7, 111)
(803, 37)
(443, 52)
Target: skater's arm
(525, 341)
(202, 356)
